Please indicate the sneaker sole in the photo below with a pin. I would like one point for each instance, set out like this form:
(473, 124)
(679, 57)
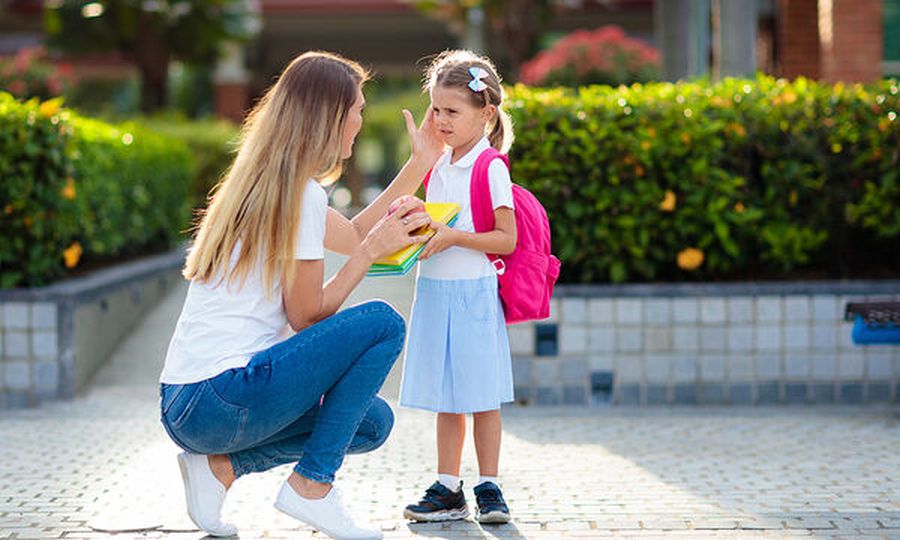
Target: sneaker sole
(444, 515)
(493, 517)
(281, 508)
(187, 488)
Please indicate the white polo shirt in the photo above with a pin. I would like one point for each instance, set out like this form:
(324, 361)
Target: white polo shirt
(450, 183)
(222, 327)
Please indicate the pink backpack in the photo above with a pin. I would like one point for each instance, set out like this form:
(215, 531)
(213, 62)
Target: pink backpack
(527, 275)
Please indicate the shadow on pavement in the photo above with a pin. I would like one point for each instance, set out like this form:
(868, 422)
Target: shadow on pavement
(466, 529)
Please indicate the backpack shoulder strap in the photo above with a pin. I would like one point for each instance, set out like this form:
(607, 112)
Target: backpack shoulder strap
(482, 205)
(480, 190)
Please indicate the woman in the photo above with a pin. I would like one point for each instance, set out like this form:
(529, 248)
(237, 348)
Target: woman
(240, 393)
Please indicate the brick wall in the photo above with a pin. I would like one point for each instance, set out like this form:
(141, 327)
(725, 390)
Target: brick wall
(832, 40)
(232, 100)
(798, 39)
(855, 51)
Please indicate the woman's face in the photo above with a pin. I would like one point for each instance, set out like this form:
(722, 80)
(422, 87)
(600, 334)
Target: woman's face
(352, 125)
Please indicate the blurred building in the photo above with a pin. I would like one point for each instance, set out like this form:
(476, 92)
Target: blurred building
(22, 26)
(849, 40)
(831, 40)
(393, 37)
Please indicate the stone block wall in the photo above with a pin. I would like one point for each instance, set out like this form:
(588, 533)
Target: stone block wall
(731, 344)
(53, 339)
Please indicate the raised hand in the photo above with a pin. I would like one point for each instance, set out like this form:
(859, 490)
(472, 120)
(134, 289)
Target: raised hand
(424, 140)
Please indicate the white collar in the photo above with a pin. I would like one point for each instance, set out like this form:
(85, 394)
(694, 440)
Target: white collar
(469, 159)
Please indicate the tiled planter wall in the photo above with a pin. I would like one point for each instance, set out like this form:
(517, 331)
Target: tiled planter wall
(53, 339)
(736, 344)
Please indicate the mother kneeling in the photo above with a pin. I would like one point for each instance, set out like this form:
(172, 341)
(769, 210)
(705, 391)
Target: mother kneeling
(240, 392)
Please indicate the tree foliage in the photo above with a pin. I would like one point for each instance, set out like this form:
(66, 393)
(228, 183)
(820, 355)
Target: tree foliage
(151, 32)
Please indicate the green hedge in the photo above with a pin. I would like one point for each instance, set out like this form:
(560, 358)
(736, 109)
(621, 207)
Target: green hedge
(75, 188)
(212, 143)
(737, 179)
(385, 130)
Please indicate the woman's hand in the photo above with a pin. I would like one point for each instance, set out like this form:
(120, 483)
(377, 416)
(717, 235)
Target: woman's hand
(392, 232)
(425, 142)
(444, 237)
(426, 149)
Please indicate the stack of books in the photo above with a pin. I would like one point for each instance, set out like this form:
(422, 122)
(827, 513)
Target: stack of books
(400, 262)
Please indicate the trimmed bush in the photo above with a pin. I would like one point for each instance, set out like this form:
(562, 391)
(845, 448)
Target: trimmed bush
(212, 143)
(75, 187)
(384, 127)
(737, 179)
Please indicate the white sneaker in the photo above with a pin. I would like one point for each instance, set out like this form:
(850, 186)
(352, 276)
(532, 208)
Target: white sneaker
(204, 495)
(326, 514)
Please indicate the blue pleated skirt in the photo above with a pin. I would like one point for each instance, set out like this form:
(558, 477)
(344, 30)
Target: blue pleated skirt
(457, 350)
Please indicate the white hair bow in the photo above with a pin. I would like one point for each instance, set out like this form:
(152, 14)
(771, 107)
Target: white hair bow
(476, 84)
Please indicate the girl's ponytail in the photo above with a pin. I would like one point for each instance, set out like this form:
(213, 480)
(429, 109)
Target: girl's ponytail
(501, 136)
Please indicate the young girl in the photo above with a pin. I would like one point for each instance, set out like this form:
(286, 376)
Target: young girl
(457, 358)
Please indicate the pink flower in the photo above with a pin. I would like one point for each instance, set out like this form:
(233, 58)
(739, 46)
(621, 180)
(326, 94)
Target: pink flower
(23, 59)
(587, 54)
(17, 87)
(54, 86)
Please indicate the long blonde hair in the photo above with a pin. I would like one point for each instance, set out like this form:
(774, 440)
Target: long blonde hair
(450, 69)
(294, 133)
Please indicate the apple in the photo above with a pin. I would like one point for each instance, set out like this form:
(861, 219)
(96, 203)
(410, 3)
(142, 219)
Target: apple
(420, 207)
(399, 201)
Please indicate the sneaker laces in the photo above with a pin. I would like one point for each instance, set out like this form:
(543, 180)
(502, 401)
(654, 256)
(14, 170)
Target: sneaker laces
(350, 517)
(432, 494)
(345, 514)
(490, 496)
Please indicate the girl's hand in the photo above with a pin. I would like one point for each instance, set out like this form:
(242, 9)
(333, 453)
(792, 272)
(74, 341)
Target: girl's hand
(444, 237)
(425, 141)
(392, 232)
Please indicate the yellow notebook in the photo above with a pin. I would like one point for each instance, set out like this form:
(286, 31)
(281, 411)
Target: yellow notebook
(400, 262)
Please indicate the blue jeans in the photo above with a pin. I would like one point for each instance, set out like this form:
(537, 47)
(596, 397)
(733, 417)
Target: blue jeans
(273, 412)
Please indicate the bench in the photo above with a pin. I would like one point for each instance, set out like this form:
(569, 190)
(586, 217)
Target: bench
(874, 323)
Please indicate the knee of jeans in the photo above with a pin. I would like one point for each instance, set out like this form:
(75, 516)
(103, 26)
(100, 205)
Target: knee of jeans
(393, 322)
(382, 417)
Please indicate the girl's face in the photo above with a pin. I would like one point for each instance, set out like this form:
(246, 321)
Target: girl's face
(352, 125)
(460, 123)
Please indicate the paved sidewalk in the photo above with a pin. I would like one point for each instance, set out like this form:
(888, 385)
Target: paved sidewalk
(103, 463)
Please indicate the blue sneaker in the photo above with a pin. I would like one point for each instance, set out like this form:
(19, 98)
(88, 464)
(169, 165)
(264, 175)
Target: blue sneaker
(439, 504)
(490, 506)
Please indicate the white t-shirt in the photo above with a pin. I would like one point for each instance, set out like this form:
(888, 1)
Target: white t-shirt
(450, 183)
(221, 327)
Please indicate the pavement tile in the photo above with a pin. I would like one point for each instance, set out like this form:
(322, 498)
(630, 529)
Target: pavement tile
(103, 461)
